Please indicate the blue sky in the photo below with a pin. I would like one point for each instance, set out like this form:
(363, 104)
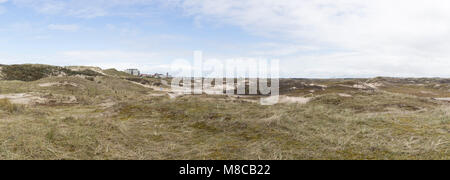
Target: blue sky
(312, 38)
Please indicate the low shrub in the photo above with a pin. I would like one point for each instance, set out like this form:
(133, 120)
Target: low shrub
(9, 107)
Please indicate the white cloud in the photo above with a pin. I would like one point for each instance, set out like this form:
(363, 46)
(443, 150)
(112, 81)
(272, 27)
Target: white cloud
(108, 56)
(280, 49)
(86, 8)
(64, 27)
(2, 9)
(22, 26)
(313, 37)
(121, 60)
(363, 65)
(409, 37)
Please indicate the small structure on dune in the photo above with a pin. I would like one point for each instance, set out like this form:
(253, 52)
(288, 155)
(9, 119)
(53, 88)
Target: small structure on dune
(134, 72)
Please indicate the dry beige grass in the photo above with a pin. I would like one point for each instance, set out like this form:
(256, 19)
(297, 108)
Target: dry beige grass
(118, 119)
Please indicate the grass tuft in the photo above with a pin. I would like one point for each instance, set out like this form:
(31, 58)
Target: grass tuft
(9, 107)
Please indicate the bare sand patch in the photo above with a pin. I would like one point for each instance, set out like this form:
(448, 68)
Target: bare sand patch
(373, 85)
(107, 104)
(428, 92)
(173, 94)
(287, 99)
(23, 98)
(359, 86)
(37, 98)
(344, 95)
(50, 84)
(157, 95)
(364, 86)
(293, 100)
(318, 85)
(442, 99)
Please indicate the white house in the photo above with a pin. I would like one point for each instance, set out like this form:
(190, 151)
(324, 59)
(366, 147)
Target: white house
(134, 72)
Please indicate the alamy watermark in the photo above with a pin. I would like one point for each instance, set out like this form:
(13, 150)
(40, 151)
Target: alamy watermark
(241, 76)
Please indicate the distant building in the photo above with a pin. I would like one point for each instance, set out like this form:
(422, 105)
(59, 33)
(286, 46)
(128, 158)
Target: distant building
(157, 75)
(134, 72)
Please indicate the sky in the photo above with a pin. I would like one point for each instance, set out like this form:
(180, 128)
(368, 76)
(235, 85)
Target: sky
(311, 38)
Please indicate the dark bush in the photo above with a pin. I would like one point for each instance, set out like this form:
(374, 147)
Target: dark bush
(29, 72)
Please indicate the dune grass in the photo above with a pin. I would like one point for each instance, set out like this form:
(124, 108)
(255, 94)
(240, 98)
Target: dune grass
(33, 72)
(117, 119)
(9, 107)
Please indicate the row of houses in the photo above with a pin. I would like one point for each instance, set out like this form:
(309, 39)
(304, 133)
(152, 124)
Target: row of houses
(136, 72)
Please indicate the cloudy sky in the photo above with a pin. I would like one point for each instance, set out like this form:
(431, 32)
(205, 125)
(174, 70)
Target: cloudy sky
(312, 38)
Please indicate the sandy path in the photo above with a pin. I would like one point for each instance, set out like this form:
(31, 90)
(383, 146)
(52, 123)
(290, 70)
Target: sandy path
(442, 99)
(23, 98)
